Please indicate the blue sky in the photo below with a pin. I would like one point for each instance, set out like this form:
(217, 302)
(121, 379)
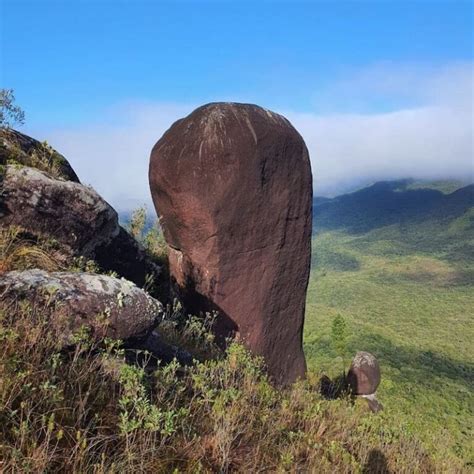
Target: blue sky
(114, 67)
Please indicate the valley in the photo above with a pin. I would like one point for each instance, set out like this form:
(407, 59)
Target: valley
(405, 288)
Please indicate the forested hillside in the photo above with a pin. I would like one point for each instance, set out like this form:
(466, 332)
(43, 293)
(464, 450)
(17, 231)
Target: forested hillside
(396, 260)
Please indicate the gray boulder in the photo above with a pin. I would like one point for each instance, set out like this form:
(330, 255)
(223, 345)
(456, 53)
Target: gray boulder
(76, 217)
(108, 306)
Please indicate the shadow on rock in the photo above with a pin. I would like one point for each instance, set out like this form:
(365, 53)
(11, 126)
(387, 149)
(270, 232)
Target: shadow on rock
(194, 302)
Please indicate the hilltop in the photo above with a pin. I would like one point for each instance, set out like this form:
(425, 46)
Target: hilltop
(96, 375)
(393, 202)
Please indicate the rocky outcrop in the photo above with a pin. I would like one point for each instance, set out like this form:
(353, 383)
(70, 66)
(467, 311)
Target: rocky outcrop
(20, 149)
(109, 307)
(73, 215)
(232, 185)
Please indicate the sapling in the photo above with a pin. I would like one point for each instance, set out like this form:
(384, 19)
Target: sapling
(339, 335)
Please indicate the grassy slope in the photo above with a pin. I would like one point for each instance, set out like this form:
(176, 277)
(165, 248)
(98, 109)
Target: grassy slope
(406, 291)
(96, 408)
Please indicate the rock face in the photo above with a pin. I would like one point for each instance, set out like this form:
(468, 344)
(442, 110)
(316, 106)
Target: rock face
(109, 306)
(364, 374)
(75, 216)
(232, 185)
(15, 147)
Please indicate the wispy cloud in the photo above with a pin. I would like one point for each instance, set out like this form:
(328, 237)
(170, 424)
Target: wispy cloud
(423, 128)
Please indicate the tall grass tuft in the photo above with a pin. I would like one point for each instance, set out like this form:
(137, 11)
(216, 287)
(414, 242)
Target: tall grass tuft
(19, 251)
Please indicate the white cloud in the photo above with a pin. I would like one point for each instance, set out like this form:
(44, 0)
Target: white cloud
(112, 154)
(431, 138)
(428, 142)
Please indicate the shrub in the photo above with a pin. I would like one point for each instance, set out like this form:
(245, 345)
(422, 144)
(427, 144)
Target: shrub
(10, 114)
(87, 410)
(149, 234)
(40, 156)
(339, 334)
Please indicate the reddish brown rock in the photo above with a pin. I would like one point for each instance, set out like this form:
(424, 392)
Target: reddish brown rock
(232, 185)
(364, 374)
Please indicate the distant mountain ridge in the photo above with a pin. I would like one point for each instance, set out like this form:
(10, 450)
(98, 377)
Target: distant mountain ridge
(393, 202)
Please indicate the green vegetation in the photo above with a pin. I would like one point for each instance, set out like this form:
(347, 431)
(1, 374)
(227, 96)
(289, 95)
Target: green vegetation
(406, 293)
(10, 113)
(446, 186)
(402, 291)
(148, 232)
(40, 155)
(94, 408)
(99, 407)
(339, 335)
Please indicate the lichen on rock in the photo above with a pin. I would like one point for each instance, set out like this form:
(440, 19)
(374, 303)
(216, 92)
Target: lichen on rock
(74, 215)
(108, 306)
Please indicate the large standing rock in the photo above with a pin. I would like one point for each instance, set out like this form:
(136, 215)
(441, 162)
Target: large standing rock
(232, 185)
(108, 306)
(73, 215)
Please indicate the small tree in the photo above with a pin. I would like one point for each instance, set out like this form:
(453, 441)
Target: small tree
(137, 223)
(10, 114)
(339, 338)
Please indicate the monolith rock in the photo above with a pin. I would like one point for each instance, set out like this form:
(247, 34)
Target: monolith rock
(232, 185)
(364, 374)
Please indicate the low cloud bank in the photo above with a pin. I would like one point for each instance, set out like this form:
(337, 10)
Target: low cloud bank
(428, 136)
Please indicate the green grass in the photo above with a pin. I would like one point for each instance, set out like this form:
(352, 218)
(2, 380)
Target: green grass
(407, 297)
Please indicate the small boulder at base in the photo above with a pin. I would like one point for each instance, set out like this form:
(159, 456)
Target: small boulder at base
(108, 306)
(232, 185)
(364, 374)
(76, 217)
(364, 377)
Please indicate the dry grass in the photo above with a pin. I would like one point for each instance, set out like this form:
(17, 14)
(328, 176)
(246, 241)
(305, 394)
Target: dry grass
(40, 156)
(91, 409)
(87, 410)
(18, 251)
